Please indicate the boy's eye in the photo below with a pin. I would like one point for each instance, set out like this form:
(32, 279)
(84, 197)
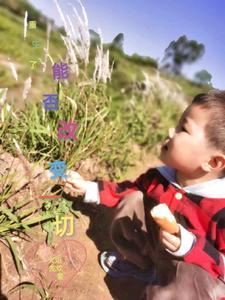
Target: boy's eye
(183, 129)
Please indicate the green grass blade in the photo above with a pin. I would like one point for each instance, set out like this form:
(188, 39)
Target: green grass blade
(13, 249)
(29, 285)
(7, 212)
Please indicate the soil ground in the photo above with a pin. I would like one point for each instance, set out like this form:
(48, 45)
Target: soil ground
(90, 282)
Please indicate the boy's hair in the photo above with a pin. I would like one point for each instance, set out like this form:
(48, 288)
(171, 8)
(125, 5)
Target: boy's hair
(214, 101)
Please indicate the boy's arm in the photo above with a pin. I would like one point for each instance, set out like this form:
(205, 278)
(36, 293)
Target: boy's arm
(206, 255)
(92, 193)
(109, 193)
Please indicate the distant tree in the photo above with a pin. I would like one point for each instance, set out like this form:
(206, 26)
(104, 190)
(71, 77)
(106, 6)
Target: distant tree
(61, 29)
(95, 38)
(203, 77)
(180, 52)
(118, 41)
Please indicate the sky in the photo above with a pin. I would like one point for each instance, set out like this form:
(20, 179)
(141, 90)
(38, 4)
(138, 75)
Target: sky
(150, 25)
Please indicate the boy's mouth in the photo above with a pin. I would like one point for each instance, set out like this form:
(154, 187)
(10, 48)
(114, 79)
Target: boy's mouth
(165, 147)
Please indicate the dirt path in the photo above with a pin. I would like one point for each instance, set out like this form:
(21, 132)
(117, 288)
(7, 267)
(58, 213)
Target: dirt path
(91, 237)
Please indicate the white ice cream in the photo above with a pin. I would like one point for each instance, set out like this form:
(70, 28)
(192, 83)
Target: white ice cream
(162, 211)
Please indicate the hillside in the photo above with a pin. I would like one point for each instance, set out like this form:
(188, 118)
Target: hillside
(21, 53)
(128, 70)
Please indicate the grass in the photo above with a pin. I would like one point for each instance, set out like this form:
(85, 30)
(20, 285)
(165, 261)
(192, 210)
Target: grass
(16, 218)
(41, 291)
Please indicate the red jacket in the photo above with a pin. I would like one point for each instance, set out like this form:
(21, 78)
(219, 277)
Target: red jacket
(201, 215)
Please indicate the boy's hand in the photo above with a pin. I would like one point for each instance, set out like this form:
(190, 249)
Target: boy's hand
(75, 184)
(170, 241)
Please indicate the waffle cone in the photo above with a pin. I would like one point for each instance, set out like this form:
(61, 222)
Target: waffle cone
(171, 227)
(164, 218)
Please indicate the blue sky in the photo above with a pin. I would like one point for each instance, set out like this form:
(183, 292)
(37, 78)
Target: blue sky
(149, 26)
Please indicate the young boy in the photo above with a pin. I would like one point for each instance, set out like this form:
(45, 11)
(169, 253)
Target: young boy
(189, 265)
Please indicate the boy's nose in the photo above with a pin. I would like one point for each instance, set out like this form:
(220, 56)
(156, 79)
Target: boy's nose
(171, 132)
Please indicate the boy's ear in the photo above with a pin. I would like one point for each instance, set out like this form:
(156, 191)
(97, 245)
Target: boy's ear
(216, 163)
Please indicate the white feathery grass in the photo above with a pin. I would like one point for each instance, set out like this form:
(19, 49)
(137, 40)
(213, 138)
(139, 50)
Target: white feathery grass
(9, 109)
(73, 42)
(3, 93)
(156, 86)
(27, 86)
(74, 64)
(147, 81)
(102, 70)
(72, 31)
(77, 39)
(2, 115)
(61, 16)
(85, 21)
(43, 113)
(51, 59)
(98, 64)
(83, 35)
(17, 146)
(46, 50)
(25, 25)
(13, 69)
(77, 42)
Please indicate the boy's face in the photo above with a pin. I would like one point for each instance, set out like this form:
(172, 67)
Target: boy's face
(187, 147)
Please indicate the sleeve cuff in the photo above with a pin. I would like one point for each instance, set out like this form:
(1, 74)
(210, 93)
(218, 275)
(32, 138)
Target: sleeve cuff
(188, 240)
(92, 193)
